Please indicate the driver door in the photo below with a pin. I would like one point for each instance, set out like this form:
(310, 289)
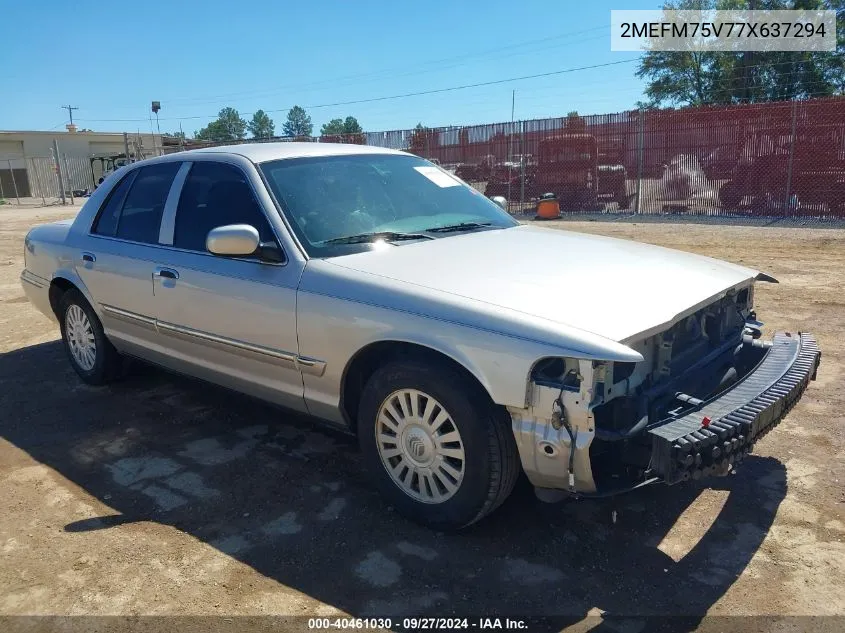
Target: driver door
(231, 320)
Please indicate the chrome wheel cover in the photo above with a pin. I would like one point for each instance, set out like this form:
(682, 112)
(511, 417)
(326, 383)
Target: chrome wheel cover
(420, 446)
(80, 337)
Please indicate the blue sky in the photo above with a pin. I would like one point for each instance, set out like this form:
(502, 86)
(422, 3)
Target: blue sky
(112, 59)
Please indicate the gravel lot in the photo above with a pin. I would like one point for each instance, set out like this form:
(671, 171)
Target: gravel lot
(161, 495)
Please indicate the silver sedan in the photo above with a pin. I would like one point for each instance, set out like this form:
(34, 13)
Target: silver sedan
(378, 292)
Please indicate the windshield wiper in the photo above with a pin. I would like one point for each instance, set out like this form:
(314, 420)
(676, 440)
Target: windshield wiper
(387, 236)
(463, 226)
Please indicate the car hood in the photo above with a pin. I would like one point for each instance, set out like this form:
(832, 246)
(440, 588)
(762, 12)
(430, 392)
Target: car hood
(618, 289)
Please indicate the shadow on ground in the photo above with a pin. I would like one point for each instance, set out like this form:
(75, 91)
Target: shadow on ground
(289, 499)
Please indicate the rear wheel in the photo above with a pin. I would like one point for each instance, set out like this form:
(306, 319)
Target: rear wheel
(435, 444)
(91, 354)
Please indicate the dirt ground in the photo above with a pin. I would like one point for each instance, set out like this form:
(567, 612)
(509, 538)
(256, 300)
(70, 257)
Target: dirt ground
(160, 495)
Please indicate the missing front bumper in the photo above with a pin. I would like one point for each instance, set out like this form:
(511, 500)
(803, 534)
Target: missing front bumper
(707, 440)
(718, 435)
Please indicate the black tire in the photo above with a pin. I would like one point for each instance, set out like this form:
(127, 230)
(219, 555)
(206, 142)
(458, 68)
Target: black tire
(492, 461)
(108, 363)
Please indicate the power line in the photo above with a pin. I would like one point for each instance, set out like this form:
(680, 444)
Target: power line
(441, 90)
(390, 71)
(404, 95)
(419, 93)
(381, 75)
(481, 107)
(464, 86)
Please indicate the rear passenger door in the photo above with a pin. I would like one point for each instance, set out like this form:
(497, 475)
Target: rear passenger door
(231, 320)
(121, 252)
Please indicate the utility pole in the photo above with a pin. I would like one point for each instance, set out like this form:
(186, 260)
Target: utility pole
(513, 105)
(747, 61)
(70, 110)
(510, 146)
(155, 108)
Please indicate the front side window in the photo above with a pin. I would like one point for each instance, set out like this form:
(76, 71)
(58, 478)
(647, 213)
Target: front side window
(214, 195)
(332, 197)
(140, 215)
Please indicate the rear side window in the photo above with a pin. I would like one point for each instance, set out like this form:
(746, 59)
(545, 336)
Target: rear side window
(215, 194)
(106, 223)
(140, 217)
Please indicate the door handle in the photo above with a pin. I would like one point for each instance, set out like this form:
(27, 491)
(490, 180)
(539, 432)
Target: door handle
(166, 273)
(89, 257)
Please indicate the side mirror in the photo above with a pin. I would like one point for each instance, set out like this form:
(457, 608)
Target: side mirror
(501, 201)
(238, 240)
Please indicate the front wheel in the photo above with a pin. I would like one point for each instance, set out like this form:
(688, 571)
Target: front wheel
(435, 444)
(91, 354)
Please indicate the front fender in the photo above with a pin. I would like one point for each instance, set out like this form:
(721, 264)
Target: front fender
(335, 330)
(337, 318)
(472, 365)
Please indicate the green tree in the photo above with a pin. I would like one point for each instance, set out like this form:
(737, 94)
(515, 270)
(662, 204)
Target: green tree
(179, 134)
(229, 126)
(261, 125)
(690, 78)
(342, 131)
(332, 128)
(351, 126)
(298, 122)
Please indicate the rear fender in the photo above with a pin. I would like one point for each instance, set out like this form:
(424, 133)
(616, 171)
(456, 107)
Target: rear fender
(70, 274)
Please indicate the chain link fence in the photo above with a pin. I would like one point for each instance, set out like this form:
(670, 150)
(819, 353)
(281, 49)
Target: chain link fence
(784, 159)
(43, 180)
(769, 160)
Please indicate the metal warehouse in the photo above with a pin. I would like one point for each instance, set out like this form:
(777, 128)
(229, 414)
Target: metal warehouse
(28, 159)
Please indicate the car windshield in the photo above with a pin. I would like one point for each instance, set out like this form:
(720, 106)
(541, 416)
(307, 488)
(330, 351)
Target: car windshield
(330, 198)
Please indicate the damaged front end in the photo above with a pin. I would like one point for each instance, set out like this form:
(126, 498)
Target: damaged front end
(707, 388)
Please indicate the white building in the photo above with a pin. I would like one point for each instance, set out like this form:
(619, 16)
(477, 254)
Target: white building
(28, 162)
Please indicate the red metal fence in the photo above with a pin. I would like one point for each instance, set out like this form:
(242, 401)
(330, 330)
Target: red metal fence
(782, 159)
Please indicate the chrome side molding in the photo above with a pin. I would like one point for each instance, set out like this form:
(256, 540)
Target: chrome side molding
(304, 364)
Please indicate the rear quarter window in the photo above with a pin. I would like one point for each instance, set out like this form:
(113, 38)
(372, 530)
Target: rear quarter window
(109, 214)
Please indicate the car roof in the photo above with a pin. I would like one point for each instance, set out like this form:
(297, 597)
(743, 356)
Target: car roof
(262, 152)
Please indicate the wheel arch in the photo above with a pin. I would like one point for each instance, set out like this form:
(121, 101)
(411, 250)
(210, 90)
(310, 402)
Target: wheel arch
(58, 287)
(369, 358)
(63, 281)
